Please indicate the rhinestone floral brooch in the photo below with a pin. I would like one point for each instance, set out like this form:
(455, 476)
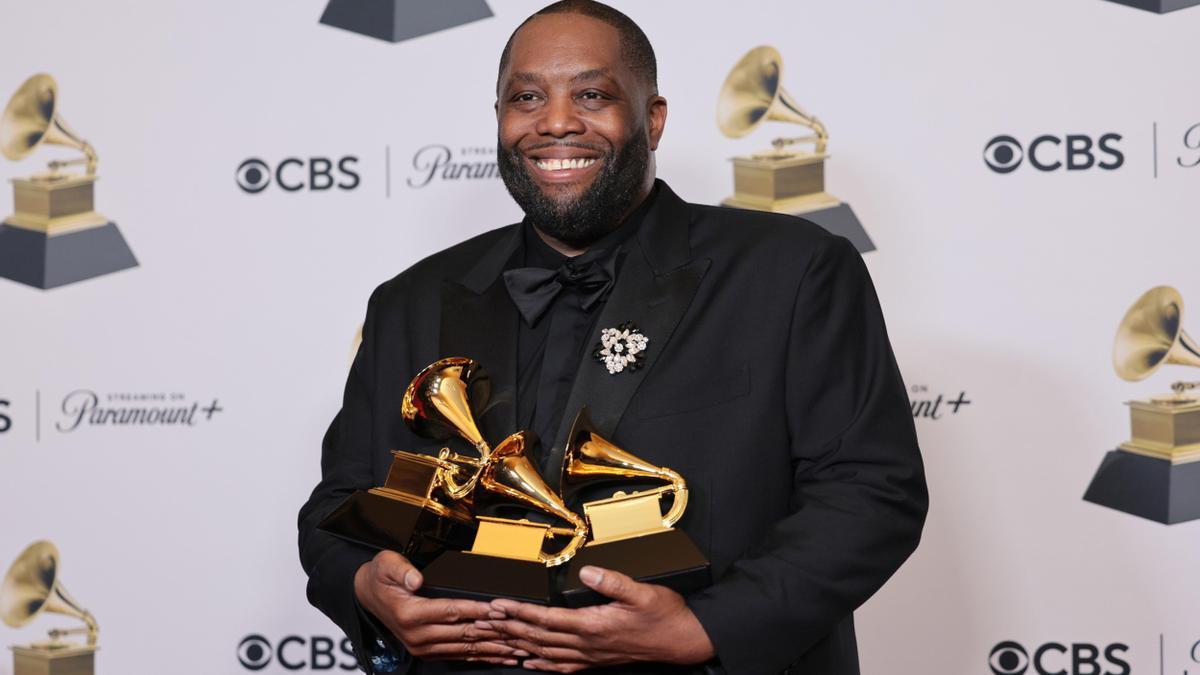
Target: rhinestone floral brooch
(621, 348)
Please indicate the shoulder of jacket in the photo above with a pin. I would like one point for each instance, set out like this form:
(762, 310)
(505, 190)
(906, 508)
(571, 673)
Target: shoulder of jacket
(434, 268)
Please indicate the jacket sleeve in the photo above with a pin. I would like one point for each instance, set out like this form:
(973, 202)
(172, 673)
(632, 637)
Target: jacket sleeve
(858, 498)
(346, 459)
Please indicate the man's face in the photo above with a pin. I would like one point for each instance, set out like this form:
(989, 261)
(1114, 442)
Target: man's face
(576, 127)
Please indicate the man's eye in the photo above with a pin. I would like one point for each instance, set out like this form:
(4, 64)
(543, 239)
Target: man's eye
(592, 95)
(524, 98)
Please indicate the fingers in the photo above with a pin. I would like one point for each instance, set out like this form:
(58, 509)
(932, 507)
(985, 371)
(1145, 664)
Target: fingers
(450, 634)
(531, 634)
(490, 652)
(418, 611)
(541, 651)
(558, 619)
(553, 666)
(615, 585)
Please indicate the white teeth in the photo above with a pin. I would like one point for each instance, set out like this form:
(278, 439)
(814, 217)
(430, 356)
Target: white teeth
(564, 164)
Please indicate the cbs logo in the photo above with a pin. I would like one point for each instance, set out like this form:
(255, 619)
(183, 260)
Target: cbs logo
(293, 174)
(1053, 658)
(296, 653)
(1076, 152)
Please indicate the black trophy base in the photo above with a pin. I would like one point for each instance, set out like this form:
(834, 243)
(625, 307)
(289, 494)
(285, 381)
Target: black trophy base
(397, 20)
(842, 221)
(470, 576)
(35, 259)
(668, 559)
(380, 522)
(1160, 6)
(1151, 488)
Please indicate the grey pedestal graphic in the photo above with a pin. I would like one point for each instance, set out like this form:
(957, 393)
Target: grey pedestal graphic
(398, 20)
(34, 259)
(1160, 6)
(841, 221)
(1148, 487)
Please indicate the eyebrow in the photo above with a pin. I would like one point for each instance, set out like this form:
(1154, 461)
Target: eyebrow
(532, 78)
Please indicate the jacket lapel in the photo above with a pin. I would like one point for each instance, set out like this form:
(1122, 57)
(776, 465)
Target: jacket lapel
(479, 321)
(655, 285)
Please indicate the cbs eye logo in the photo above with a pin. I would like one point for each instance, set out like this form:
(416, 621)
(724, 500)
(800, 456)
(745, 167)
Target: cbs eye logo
(1008, 658)
(1075, 152)
(254, 652)
(293, 174)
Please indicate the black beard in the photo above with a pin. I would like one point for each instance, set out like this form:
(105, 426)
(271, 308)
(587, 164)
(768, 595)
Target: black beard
(581, 221)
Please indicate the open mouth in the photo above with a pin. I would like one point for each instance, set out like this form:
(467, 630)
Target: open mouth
(562, 166)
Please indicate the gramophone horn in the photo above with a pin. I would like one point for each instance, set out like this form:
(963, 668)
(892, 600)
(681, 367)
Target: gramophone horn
(753, 93)
(32, 587)
(591, 459)
(31, 118)
(1152, 334)
(509, 477)
(441, 403)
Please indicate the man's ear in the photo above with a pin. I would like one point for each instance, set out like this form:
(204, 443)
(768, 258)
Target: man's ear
(496, 107)
(656, 113)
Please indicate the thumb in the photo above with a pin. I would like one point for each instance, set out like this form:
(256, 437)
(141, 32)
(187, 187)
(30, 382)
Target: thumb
(396, 570)
(613, 584)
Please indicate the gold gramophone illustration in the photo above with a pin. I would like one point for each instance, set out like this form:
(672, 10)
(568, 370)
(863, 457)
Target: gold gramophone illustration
(55, 236)
(1155, 474)
(784, 179)
(629, 531)
(32, 587)
(510, 556)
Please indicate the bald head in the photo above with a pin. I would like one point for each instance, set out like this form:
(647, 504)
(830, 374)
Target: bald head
(636, 50)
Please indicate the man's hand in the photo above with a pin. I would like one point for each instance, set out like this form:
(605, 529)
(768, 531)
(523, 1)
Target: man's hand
(644, 622)
(430, 629)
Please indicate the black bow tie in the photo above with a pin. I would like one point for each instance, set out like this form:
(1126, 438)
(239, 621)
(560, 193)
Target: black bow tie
(534, 288)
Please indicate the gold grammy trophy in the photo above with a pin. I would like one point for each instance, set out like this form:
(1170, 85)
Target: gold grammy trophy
(511, 556)
(55, 236)
(424, 505)
(1155, 474)
(629, 531)
(31, 588)
(784, 179)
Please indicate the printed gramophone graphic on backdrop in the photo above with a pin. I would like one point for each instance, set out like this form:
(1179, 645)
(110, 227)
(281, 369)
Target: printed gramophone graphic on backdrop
(399, 20)
(487, 523)
(784, 179)
(32, 587)
(1155, 474)
(1160, 6)
(55, 237)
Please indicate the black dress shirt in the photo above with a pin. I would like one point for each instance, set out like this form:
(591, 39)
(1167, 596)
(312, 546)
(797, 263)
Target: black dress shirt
(550, 349)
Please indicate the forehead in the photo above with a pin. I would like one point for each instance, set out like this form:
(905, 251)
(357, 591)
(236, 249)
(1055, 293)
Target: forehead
(561, 45)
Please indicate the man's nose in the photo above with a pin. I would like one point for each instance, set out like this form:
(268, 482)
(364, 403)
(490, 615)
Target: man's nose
(560, 118)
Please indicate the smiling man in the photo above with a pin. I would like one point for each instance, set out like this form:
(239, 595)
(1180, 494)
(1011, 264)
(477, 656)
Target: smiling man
(768, 383)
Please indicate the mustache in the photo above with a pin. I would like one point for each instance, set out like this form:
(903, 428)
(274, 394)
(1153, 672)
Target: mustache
(559, 144)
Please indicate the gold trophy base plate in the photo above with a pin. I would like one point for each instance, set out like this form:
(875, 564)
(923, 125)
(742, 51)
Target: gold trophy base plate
(54, 660)
(55, 205)
(793, 206)
(1166, 429)
(781, 182)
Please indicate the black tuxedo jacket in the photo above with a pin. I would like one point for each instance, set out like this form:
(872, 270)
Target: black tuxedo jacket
(769, 384)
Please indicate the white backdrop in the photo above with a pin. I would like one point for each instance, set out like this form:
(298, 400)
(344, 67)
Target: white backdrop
(1004, 287)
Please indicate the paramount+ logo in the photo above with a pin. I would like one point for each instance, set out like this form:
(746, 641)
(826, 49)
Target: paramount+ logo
(1056, 658)
(1050, 152)
(296, 652)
